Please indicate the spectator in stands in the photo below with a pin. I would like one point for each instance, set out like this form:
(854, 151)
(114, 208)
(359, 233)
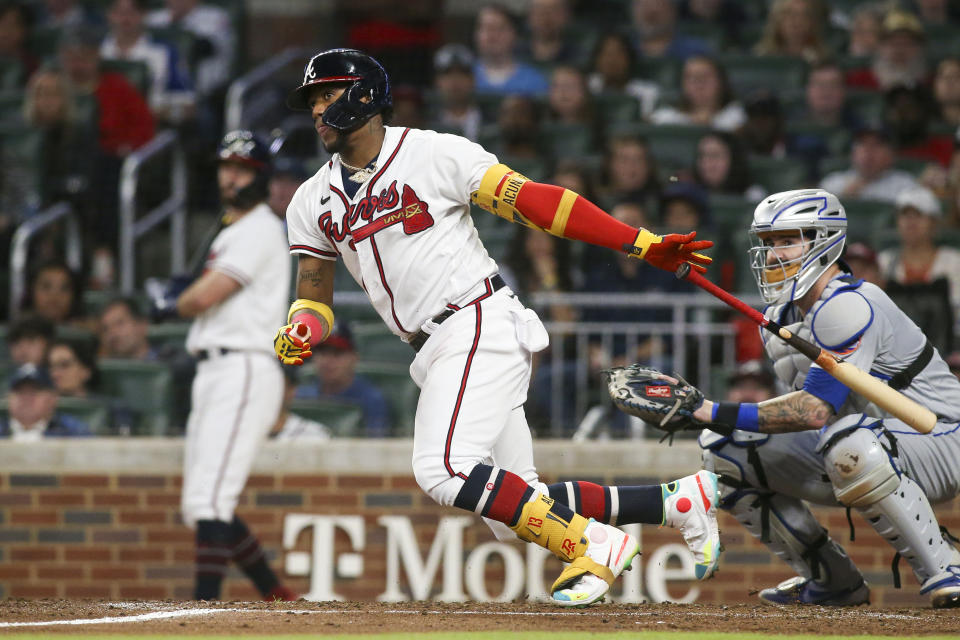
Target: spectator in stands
(570, 174)
(630, 172)
(288, 174)
(290, 426)
(16, 20)
(764, 132)
(547, 41)
(497, 69)
(73, 367)
(67, 137)
(705, 98)
(728, 15)
(721, 166)
(539, 262)
(862, 260)
(613, 70)
(871, 175)
(946, 90)
(408, 107)
(907, 113)
(171, 97)
(795, 28)
(68, 14)
(215, 48)
(457, 112)
(866, 25)
(28, 339)
(518, 124)
(936, 11)
(655, 30)
(33, 409)
(918, 259)
(684, 203)
(337, 379)
(826, 98)
(55, 294)
(569, 102)
(900, 58)
(751, 381)
(123, 331)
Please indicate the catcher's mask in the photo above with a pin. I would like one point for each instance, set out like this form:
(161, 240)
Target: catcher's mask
(366, 77)
(818, 222)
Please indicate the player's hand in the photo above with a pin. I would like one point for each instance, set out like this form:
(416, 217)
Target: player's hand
(292, 343)
(670, 251)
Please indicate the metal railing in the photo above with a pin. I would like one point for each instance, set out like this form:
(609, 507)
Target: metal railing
(695, 342)
(174, 207)
(238, 112)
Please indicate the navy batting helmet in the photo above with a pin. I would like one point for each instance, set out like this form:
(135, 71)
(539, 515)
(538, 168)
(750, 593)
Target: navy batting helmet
(246, 148)
(366, 76)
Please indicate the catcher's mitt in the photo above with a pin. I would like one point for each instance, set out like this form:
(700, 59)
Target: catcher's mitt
(663, 401)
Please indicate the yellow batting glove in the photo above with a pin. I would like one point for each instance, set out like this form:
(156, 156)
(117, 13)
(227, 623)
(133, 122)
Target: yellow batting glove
(292, 343)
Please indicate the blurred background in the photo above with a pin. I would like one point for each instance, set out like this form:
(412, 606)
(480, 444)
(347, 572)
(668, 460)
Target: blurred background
(673, 115)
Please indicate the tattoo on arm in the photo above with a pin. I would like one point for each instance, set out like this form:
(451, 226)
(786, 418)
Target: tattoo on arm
(313, 277)
(796, 411)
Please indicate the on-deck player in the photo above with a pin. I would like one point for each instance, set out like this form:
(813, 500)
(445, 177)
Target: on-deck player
(822, 444)
(394, 205)
(238, 387)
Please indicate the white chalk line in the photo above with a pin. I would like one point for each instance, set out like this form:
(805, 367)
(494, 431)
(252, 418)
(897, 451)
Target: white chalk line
(181, 613)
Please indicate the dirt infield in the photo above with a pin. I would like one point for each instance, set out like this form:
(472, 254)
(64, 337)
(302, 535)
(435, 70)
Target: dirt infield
(239, 618)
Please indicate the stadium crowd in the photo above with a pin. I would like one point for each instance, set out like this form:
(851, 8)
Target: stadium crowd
(671, 114)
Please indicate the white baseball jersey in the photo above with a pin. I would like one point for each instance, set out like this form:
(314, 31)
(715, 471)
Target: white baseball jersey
(406, 236)
(252, 252)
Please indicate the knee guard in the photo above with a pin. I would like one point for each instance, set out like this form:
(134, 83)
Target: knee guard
(866, 478)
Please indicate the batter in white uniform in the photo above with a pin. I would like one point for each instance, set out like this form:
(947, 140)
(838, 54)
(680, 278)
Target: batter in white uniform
(820, 442)
(394, 205)
(236, 305)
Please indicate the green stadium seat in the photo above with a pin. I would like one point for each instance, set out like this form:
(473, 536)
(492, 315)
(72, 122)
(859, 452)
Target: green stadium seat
(145, 386)
(708, 32)
(748, 72)
(78, 335)
(868, 220)
(778, 174)
(837, 139)
(617, 107)
(401, 391)
(731, 213)
(93, 411)
(674, 146)
(867, 104)
(375, 343)
(168, 336)
(344, 419)
(664, 71)
(566, 140)
(11, 106)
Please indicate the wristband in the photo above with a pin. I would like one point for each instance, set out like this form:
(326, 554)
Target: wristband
(742, 415)
(307, 312)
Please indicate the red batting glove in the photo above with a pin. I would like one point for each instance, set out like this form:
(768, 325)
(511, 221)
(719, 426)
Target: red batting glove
(670, 251)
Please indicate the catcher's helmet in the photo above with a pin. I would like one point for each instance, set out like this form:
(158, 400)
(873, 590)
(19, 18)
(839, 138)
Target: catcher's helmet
(367, 78)
(819, 217)
(246, 148)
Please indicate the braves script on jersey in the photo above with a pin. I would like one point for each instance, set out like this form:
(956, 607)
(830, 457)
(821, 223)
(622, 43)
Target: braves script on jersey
(406, 236)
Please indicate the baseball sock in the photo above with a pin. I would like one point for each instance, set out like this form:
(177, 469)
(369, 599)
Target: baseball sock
(249, 556)
(612, 505)
(213, 554)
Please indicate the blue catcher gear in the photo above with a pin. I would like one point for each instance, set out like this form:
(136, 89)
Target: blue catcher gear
(366, 77)
(245, 148)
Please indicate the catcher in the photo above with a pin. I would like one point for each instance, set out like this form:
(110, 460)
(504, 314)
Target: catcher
(821, 443)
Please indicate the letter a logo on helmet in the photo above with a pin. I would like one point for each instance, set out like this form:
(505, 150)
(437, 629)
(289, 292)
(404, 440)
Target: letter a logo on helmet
(367, 91)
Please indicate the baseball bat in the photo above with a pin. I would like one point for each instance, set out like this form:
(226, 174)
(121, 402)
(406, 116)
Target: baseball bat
(887, 398)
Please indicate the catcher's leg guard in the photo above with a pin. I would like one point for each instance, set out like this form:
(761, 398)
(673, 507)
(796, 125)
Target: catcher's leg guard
(867, 478)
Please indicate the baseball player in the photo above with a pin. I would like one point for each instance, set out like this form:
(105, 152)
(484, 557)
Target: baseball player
(394, 205)
(238, 387)
(822, 444)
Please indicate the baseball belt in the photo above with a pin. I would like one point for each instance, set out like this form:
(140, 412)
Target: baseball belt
(495, 283)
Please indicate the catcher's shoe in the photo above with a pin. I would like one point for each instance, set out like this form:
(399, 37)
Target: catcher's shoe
(944, 588)
(799, 591)
(607, 546)
(690, 504)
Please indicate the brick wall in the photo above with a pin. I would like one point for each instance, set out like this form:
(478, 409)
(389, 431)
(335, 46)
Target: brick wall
(117, 534)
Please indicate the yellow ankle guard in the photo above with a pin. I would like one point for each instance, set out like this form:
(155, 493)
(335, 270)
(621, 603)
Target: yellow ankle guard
(539, 525)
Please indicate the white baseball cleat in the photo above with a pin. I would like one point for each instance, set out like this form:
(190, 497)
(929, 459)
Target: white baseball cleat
(690, 504)
(611, 549)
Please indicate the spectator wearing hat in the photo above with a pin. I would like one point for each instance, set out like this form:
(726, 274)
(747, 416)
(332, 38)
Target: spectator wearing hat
(28, 339)
(751, 381)
(337, 379)
(871, 175)
(900, 58)
(290, 426)
(498, 69)
(918, 259)
(862, 260)
(456, 110)
(33, 409)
